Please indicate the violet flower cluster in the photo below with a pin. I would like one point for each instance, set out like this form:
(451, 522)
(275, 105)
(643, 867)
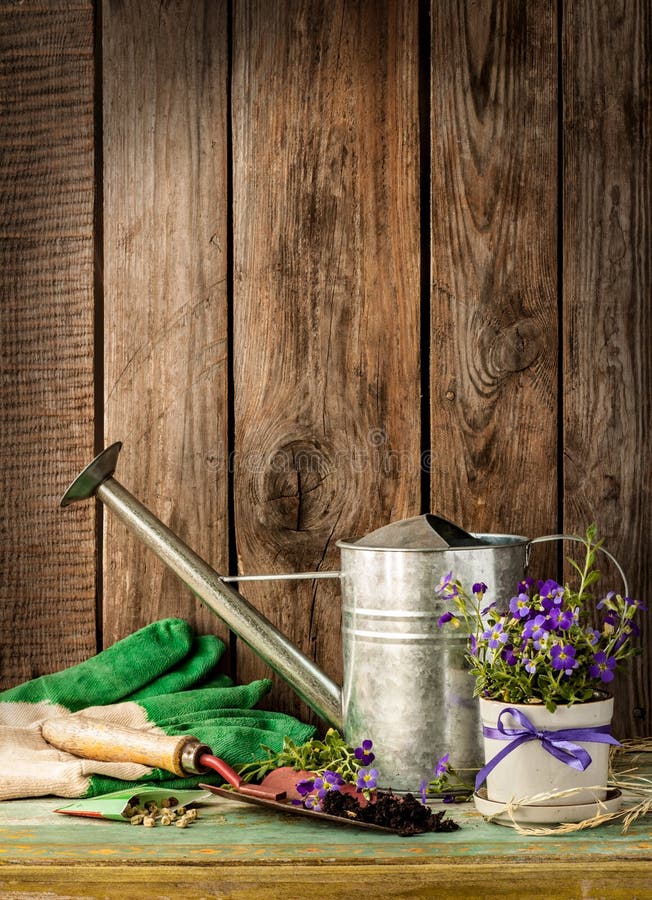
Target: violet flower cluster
(332, 753)
(312, 791)
(543, 645)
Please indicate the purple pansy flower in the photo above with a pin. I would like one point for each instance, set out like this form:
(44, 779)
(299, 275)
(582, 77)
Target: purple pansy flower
(447, 586)
(606, 599)
(636, 603)
(603, 666)
(306, 786)
(363, 754)
(553, 617)
(536, 630)
(524, 586)
(446, 617)
(551, 590)
(551, 594)
(561, 619)
(333, 779)
(609, 623)
(530, 666)
(520, 606)
(507, 653)
(329, 781)
(442, 766)
(563, 658)
(367, 779)
(495, 635)
(479, 587)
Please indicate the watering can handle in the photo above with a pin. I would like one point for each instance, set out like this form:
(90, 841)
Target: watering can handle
(573, 537)
(285, 576)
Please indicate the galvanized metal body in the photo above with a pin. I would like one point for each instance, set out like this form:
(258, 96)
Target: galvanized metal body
(406, 682)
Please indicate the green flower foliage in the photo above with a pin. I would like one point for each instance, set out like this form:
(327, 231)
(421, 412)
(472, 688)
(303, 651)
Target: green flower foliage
(332, 754)
(542, 647)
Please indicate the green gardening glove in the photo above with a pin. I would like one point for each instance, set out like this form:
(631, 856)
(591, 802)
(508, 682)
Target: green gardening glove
(159, 679)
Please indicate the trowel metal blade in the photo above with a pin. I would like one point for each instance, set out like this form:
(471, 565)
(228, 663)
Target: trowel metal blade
(287, 807)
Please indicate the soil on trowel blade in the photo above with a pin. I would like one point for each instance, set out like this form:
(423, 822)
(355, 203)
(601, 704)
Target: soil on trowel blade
(405, 814)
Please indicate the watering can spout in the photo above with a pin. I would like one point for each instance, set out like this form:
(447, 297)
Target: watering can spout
(320, 693)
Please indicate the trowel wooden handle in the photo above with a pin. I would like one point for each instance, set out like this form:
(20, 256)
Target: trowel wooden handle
(95, 739)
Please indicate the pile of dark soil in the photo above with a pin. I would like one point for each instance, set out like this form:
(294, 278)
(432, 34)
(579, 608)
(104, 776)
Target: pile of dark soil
(404, 813)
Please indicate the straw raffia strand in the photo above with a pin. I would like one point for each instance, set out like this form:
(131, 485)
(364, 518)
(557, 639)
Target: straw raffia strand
(634, 745)
(632, 779)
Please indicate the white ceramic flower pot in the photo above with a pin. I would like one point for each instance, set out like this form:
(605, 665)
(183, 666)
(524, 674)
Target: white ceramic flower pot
(529, 769)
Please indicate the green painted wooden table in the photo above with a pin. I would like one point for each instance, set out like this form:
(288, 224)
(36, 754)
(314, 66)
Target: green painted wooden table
(239, 851)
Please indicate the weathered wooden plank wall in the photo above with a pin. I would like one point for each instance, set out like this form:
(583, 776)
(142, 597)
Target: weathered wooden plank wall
(47, 189)
(326, 257)
(493, 352)
(607, 288)
(336, 236)
(165, 267)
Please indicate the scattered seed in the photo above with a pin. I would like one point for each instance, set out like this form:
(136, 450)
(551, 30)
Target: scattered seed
(181, 817)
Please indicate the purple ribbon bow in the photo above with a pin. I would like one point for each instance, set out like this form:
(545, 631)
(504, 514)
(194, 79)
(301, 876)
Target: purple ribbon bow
(558, 743)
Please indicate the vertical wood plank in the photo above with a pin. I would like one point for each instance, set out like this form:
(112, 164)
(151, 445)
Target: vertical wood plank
(47, 565)
(493, 230)
(607, 50)
(326, 297)
(166, 375)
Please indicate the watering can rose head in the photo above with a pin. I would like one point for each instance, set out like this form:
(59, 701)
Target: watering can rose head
(543, 648)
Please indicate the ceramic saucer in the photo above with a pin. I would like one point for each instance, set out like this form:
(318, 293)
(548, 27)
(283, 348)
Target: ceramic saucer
(546, 814)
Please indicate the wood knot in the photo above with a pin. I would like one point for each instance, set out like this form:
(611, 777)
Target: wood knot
(515, 347)
(299, 485)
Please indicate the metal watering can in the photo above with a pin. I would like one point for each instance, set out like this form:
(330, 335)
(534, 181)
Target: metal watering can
(406, 685)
